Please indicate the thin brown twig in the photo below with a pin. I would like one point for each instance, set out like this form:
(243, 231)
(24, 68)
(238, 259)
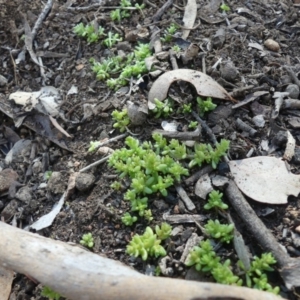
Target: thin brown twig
(162, 10)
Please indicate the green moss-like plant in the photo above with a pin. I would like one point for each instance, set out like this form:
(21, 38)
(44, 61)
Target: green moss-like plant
(149, 244)
(215, 201)
(223, 232)
(50, 294)
(87, 240)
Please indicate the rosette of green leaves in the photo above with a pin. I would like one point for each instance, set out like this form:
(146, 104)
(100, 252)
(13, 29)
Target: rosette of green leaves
(223, 232)
(146, 245)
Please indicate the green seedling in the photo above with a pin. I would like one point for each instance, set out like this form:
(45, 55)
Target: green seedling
(225, 7)
(205, 153)
(128, 219)
(204, 258)
(89, 32)
(87, 240)
(112, 39)
(131, 66)
(116, 185)
(187, 108)
(168, 33)
(148, 244)
(215, 201)
(176, 49)
(223, 232)
(115, 15)
(256, 276)
(149, 169)
(121, 119)
(162, 109)
(50, 294)
(193, 124)
(47, 175)
(140, 7)
(94, 146)
(205, 105)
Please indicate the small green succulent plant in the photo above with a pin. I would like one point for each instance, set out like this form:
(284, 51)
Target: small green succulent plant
(149, 243)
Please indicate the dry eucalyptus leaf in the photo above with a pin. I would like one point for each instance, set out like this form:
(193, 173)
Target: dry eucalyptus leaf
(204, 85)
(46, 100)
(265, 179)
(189, 17)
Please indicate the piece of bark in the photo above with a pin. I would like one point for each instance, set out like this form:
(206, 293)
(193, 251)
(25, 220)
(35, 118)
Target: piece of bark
(79, 274)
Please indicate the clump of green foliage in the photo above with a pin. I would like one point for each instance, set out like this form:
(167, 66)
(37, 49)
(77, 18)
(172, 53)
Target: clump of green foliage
(176, 48)
(87, 240)
(120, 13)
(48, 175)
(89, 32)
(116, 185)
(112, 39)
(256, 276)
(187, 108)
(225, 7)
(93, 146)
(205, 153)
(163, 109)
(205, 105)
(133, 65)
(224, 232)
(193, 124)
(204, 258)
(149, 243)
(215, 201)
(50, 294)
(92, 35)
(150, 170)
(121, 119)
(168, 33)
(128, 219)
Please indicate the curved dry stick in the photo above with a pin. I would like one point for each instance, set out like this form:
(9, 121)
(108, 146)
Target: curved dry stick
(79, 274)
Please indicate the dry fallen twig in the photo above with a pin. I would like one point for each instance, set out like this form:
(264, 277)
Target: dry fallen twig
(79, 274)
(290, 267)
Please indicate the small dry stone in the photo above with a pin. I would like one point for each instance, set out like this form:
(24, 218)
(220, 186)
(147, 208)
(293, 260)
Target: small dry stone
(7, 177)
(84, 181)
(9, 210)
(228, 71)
(57, 183)
(3, 81)
(24, 194)
(293, 90)
(272, 45)
(37, 167)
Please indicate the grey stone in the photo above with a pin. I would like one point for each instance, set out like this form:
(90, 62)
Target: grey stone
(293, 90)
(84, 181)
(57, 183)
(3, 80)
(24, 194)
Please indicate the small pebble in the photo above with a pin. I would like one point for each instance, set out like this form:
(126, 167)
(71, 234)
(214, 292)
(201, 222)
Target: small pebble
(293, 91)
(272, 45)
(84, 181)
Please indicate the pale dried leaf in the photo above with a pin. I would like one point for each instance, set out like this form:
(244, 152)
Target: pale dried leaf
(189, 17)
(290, 147)
(47, 220)
(203, 186)
(265, 179)
(204, 85)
